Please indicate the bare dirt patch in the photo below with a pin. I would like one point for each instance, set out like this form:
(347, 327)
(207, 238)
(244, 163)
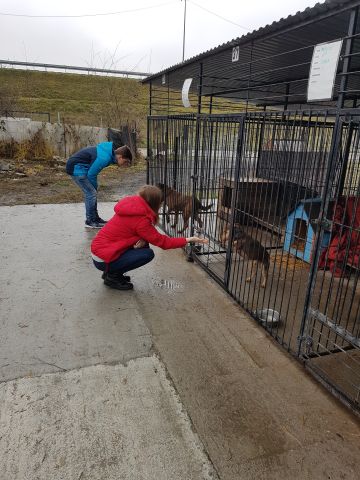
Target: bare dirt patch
(45, 181)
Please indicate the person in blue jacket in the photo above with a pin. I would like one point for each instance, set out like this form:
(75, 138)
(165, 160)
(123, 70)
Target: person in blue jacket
(84, 167)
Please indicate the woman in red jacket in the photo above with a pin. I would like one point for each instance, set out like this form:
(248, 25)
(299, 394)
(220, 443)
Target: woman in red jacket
(122, 244)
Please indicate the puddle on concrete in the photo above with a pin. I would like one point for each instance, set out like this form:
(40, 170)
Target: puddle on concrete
(170, 285)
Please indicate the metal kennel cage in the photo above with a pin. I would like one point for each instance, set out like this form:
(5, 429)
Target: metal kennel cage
(223, 162)
(279, 180)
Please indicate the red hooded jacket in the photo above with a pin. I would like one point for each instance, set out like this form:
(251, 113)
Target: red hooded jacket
(133, 220)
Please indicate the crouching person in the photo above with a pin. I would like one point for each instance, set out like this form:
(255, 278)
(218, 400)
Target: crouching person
(122, 244)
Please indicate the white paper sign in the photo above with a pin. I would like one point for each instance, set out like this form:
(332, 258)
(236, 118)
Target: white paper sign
(185, 93)
(323, 70)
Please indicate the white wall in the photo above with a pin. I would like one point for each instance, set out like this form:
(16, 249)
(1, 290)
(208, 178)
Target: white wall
(63, 138)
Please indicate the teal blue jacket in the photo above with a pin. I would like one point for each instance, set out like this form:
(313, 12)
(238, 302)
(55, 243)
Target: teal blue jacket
(90, 161)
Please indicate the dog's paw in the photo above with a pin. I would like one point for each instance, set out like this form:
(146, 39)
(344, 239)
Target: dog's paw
(248, 280)
(263, 285)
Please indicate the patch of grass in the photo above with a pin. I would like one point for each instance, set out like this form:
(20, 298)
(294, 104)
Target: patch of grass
(80, 99)
(138, 166)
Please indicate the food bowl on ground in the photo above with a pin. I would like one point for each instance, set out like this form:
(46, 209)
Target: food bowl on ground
(268, 316)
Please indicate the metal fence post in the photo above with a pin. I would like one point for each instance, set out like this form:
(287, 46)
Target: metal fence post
(168, 93)
(334, 150)
(148, 151)
(346, 156)
(166, 163)
(150, 98)
(200, 88)
(194, 178)
(234, 200)
(175, 166)
(347, 58)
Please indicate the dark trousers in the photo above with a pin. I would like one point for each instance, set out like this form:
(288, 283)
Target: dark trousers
(129, 260)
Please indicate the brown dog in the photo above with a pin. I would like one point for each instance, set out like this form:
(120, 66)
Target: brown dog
(250, 248)
(180, 203)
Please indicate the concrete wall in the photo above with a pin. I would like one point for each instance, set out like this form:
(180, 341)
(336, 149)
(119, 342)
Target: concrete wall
(64, 139)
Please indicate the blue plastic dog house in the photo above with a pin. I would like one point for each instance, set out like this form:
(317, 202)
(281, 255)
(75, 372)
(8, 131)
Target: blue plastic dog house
(300, 231)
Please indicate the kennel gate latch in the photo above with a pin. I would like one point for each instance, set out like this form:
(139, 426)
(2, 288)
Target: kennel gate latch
(308, 342)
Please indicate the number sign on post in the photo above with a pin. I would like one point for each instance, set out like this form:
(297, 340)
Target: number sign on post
(235, 54)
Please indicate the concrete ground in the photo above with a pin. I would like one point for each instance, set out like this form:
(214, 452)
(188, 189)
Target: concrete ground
(170, 381)
(100, 422)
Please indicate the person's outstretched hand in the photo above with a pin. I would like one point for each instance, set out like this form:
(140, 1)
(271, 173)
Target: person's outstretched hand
(201, 241)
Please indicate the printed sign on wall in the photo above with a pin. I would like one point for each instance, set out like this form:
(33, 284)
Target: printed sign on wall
(323, 70)
(185, 93)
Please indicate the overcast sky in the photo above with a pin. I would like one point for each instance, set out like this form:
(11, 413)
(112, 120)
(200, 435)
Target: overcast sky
(143, 40)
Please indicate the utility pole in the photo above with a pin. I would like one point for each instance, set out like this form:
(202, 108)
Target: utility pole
(183, 55)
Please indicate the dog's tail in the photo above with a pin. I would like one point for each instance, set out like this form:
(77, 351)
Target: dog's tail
(205, 207)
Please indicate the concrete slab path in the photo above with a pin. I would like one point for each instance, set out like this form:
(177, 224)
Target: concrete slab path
(100, 422)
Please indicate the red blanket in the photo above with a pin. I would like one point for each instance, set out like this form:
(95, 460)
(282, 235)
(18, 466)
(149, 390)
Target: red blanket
(344, 247)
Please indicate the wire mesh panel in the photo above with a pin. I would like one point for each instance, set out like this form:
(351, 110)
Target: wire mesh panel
(216, 158)
(157, 149)
(331, 339)
(274, 213)
(171, 152)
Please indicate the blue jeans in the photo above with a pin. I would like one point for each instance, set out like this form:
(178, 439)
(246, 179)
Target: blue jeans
(90, 197)
(129, 260)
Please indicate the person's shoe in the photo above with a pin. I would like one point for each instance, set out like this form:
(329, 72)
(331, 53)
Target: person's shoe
(100, 220)
(121, 277)
(113, 281)
(94, 224)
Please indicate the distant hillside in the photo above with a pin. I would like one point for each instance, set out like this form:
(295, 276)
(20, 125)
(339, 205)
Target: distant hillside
(83, 99)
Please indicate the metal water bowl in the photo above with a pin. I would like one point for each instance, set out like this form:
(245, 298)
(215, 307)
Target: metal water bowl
(268, 316)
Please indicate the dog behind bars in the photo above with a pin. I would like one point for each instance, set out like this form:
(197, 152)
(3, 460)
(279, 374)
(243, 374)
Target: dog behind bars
(180, 203)
(251, 249)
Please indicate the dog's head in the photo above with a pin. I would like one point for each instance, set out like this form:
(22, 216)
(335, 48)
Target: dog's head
(239, 237)
(238, 233)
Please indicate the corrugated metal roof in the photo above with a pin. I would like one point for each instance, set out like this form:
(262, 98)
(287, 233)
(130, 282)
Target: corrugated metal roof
(329, 7)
